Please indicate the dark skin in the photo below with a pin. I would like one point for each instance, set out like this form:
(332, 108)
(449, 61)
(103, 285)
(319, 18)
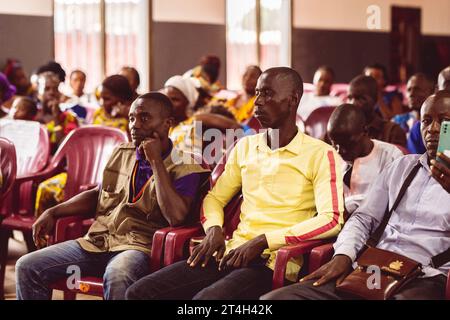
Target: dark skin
(434, 111)
(149, 133)
(359, 96)
(417, 91)
(113, 105)
(77, 82)
(180, 103)
(276, 107)
(24, 110)
(444, 79)
(323, 80)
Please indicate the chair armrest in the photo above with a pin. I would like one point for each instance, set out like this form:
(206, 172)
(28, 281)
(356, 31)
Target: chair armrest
(447, 291)
(37, 177)
(68, 228)
(319, 256)
(159, 238)
(177, 240)
(284, 254)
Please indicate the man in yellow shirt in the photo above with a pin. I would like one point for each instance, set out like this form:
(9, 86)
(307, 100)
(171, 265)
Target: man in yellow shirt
(292, 191)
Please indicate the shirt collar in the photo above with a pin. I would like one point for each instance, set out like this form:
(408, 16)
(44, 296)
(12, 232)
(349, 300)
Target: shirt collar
(424, 161)
(293, 146)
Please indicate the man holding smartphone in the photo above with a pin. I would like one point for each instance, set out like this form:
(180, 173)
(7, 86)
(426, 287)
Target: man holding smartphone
(417, 229)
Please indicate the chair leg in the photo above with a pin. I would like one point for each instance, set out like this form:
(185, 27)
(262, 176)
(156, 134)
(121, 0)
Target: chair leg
(4, 239)
(28, 237)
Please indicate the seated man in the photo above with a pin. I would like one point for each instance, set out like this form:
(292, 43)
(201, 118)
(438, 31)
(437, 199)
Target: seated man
(366, 158)
(418, 89)
(323, 80)
(143, 190)
(417, 229)
(292, 191)
(444, 79)
(363, 93)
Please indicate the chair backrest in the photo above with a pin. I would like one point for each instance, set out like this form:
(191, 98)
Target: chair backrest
(232, 210)
(339, 90)
(316, 124)
(38, 161)
(8, 167)
(86, 151)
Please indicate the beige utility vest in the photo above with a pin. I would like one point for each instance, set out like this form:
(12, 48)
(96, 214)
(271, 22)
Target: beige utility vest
(120, 224)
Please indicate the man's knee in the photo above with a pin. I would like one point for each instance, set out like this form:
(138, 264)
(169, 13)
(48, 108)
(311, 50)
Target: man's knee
(26, 264)
(279, 294)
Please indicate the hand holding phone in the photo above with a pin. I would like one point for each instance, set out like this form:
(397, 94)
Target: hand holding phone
(440, 168)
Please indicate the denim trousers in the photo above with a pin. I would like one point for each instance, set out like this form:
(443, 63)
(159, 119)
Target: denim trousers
(182, 282)
(36, 271)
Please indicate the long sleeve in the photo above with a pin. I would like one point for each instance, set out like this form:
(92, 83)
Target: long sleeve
(228, 184)
(367, 217)
(328, 195)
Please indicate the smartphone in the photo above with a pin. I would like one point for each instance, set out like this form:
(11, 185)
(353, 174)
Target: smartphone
(444, 139)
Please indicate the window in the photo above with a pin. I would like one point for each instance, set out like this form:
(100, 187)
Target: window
(258, 32)
(100, 47)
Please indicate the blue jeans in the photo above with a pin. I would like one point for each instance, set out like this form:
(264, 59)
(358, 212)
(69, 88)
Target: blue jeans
(39, 269)
(182, 282)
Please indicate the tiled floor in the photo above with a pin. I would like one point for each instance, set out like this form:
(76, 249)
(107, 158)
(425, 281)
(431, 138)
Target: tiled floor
(17, 248)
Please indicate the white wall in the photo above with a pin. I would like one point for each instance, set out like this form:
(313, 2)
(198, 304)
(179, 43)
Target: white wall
(352, 14)
(27, 7)
(190, 11)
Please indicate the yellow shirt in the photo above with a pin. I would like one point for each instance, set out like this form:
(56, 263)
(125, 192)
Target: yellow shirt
(291, 194)
(245, 112)
(102, 118)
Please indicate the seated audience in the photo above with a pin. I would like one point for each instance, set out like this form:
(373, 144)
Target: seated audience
(128, 210)
(292, 191)
(207, 74)
(365, 158)
(59, 123)
(417, 229)
(7, 91)
(115, 101)
(323, 80)
(444, 79)
(389, 104)
(418, 89)
(133, 78)
(363, 93)
(242, 106)
(17, 77)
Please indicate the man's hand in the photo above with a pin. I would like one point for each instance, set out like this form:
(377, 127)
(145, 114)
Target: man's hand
(42, 228)
(151, 147)
(213, 242)
(246, 253)
(338, 268)
(441, 171)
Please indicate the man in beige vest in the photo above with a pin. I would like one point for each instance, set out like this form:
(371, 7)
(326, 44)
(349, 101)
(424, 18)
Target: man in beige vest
(144, 188)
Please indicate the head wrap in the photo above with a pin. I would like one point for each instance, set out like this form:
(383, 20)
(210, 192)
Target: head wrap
(186, 86)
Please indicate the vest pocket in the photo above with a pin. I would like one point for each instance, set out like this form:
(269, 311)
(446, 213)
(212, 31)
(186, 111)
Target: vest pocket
(108, 201)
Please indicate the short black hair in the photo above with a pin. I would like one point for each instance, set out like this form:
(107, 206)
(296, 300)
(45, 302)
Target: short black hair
(381, 67)
(54, 67)
(327, 69)
(77, 71)
(135, 74)
(291, 75)
(347, 116)
(119, 87)
(367, 82)
(162, 100)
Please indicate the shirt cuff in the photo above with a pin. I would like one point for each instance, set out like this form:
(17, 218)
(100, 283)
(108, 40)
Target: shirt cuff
(211, 222)
(346, 251)
(276, 239)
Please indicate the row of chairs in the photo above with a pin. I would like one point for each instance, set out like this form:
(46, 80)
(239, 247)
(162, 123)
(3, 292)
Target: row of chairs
(83, 155)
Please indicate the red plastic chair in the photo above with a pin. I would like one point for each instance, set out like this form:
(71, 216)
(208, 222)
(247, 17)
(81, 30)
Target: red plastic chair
(316, 124)
(8, 168)
(339, 90)
(22, 201)
(84, 152)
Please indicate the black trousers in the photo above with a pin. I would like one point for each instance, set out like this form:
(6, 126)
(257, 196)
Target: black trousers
(182, 282)
(419, 289)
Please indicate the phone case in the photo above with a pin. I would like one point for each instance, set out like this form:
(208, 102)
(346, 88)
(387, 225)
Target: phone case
(444, 139)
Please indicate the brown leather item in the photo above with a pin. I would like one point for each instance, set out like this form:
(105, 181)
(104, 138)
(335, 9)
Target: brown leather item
(395, 271)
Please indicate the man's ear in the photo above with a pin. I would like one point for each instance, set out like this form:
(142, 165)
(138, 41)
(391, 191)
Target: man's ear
(295, 101)
(169, 122)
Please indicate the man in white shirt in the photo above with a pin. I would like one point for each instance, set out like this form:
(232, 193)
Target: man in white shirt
(365, 158)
